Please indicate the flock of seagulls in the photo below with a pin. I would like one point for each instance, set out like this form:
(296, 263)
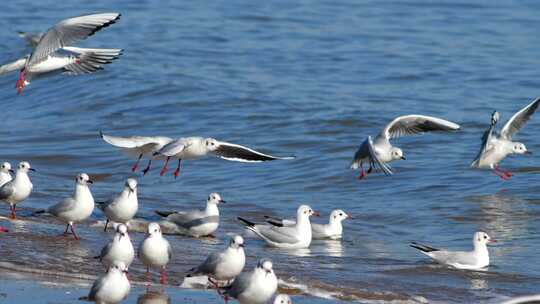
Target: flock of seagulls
(53, 52)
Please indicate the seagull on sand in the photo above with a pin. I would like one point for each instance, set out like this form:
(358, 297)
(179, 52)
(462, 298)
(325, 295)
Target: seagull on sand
(121, 208)
(155, 251)
(18, 189)
(379, 152)
(255, 287)
(118, 249)
(112, 287)
(495, 147)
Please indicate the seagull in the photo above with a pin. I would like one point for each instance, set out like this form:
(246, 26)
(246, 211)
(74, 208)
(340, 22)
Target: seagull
(112, 287)
(225, 265)
(118, 249)
(138, 146)
(197, 147)
(53, 53)
(495, 147)
(155, 251)
(255, 287)
(5, 173)
(476, 259)
(18, 189)
(197, 223)
(333, 230)
(379, 152)
(122, 208)
(292, 237)
(75, 208)
(282, 299)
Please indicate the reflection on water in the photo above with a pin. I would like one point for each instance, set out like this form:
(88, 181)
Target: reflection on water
(154, 297)
(333, 248)
(479, 284)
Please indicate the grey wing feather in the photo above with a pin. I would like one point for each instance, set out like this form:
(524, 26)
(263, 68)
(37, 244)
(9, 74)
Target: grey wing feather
(70, 31)
(276, 234)
(374, 159)
(98, 284)
(239, 285)
(31, 38)
(519, 119)
(12, 66)
(240, 153)
(416, 124)
(7, 190)
(172, 148)
(64, 206)
(105, 250)
(209, 265)
(486, 138)
(192, 219)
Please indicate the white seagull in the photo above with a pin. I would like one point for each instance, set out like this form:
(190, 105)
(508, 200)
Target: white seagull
(137, 146)
(255, 287)
(76, 208)
(379, 152)
(476, 259)
(292, 237)
(53, 53)
(118, 249)
(282, 299)
(121, 208)
(155, 251)
(18, 189)
(112, 287)
(333, 230)
(224, 265)
(196, 147)
(5, 173)
(495, 147)
(197, 223)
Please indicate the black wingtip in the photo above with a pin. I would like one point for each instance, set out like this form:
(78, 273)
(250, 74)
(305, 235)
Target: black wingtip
(248, 223)
(39, 212)
(421, 247)
(163, 213)
(101, 133)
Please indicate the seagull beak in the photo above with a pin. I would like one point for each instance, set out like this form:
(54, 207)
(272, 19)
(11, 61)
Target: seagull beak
(492, 241)
(125, 271)
(32, 169)
(222, 202)
(528, 152)
(403, 157)
(241, 245)
(89, 182)
(316, 213)
(11, 171)
(350, 216)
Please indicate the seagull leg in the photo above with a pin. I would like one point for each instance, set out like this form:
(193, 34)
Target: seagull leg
(13, 211)
(163, 276)
(501, 173)
(214, 283)
(65, 231)
(148, 276)
(21, 82)
(2, 229)
(73, 231)
(106, 224)
(362, 172)
(177, 171)
(147, 167)
(164, 169)
(136, 165)
(370, 169)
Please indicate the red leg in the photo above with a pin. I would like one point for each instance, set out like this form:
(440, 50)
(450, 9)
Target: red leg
(147, 167)
(164, 169)
(20, 82)
(13, 211)
(73, 231)
(136, 165)
(148, 276)
(362, 172)
(177, 171)
(163, 276)
(501, 173)
(2, 229)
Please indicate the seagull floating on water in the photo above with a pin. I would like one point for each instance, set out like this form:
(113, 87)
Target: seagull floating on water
(197, 223)
(333, 230)
(255, 287)
(291, 237)
(53, 52)
(476, 259)
(379, 152)
(118, 249)
(495, 147)
(18, 189)
(112, 287)
(155, 251)
(122, 208)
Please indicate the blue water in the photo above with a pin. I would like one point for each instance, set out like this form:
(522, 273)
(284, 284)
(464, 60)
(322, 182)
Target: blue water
(312, 78)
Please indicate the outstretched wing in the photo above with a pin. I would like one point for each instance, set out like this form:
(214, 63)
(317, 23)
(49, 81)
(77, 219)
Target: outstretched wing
(519, 119)
(32, 38)
(173, 148)
(12, 66)
(486, 139)
(70, 31)
(416, 124)
(240, 153)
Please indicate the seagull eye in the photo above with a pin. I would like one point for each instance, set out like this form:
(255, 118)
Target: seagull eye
(341, 214)
(485, 236)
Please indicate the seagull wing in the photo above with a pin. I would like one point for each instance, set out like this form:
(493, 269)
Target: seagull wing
(276, 234)
(12, 66)
(64, 206)
(519, 119)
(69, 31)
(7, 190)
(240, 153)
(416, 124)
(172, 148)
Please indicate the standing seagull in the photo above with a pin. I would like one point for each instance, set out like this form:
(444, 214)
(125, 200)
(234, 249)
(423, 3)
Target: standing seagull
(255, 287)
(75, 208)
(122, 208)
(155, 251)
(476, 259)
(112, 287)
(197, 223)
(225, 265)
(333, 230)
(379, 152)
(5, 173)
(197, 147)
(118, 249)
(292, 237)
(137, 146)
(53, 53)
(495, 147)
(18, 189)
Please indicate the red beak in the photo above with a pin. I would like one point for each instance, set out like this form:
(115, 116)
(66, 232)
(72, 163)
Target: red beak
(493, 241)
(350, 216)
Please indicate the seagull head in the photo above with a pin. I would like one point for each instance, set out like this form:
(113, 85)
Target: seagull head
(482, 238)
(265, 265)
(397, 153)
(215, 198)
(154, 229)
(83, 179)
(305, 210)
(25, 167)
(519, 148)
(6, 167)
(211, 144)
(121, 230)
(282, 299)
(131, 185)
(119, 267)
(339, 215)
(237, 242)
